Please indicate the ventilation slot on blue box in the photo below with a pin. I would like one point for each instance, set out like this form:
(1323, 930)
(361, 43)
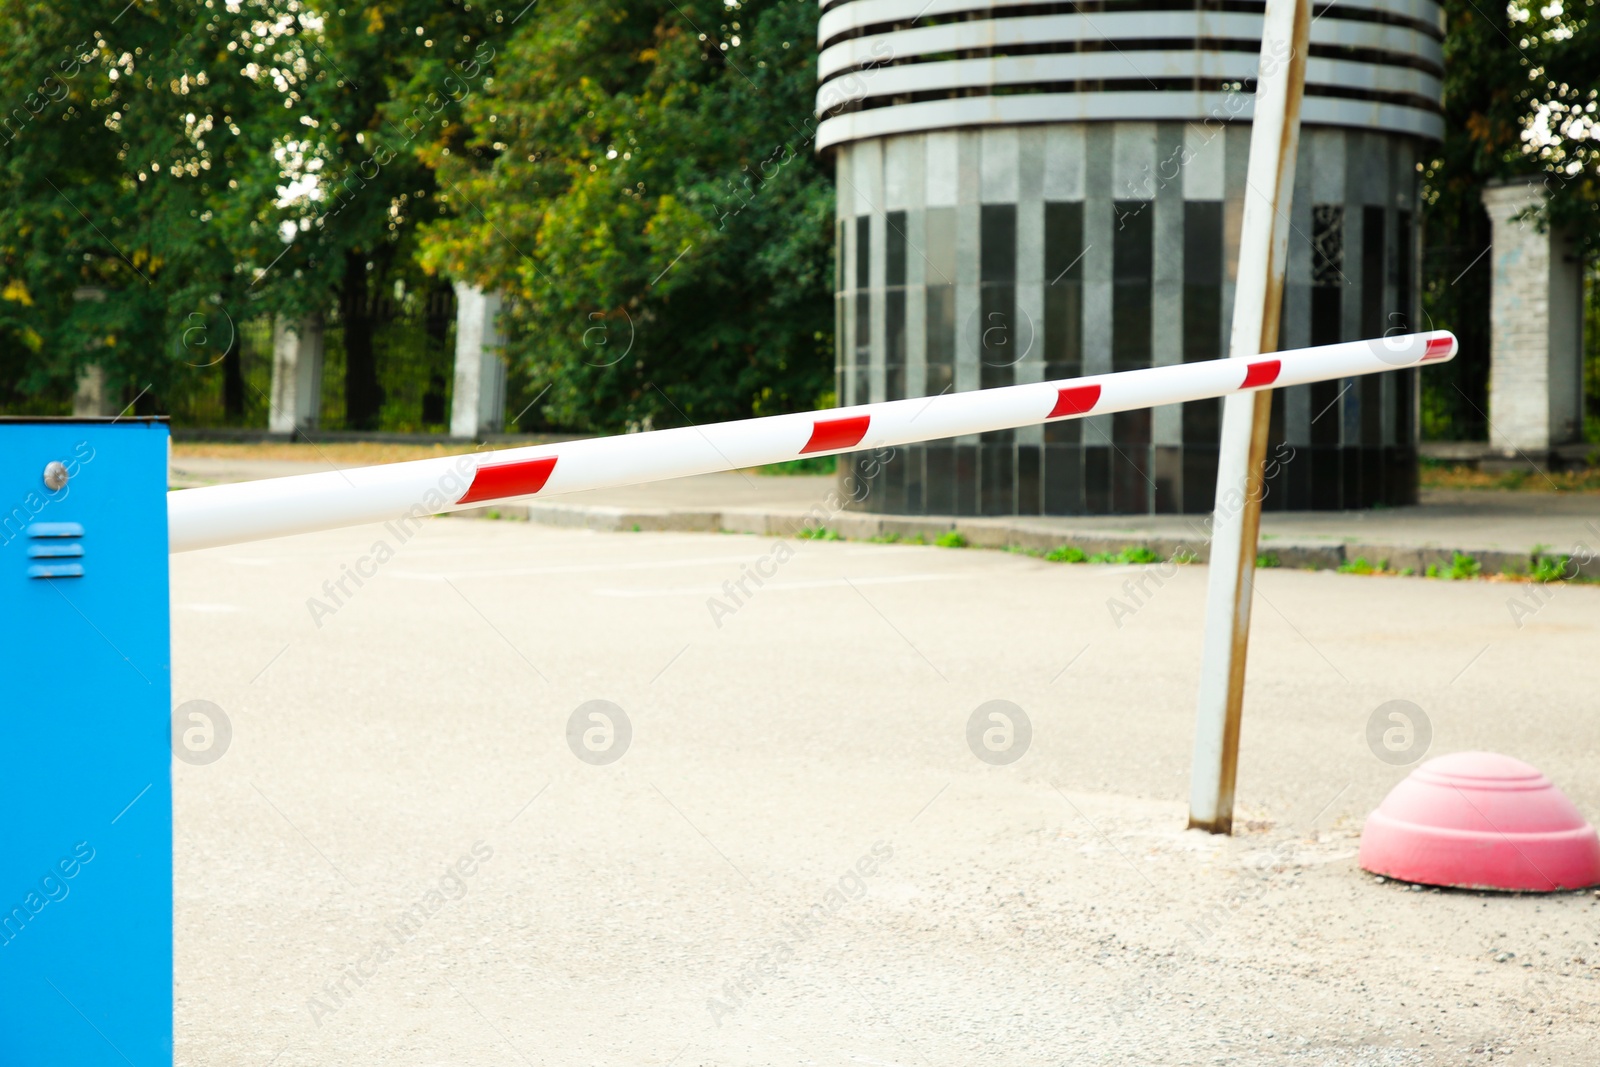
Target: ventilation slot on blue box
(55, 543)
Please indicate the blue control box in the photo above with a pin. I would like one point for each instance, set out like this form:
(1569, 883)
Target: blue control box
(86, 842)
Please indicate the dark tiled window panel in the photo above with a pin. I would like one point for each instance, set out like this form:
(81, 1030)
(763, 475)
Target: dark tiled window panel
(1350, 483)
(894, 307)
(966, 479)
(1052, 482)
(841, 354)
(863, 352)
(1403, 268)
(1374, 315)
(1132, 263)
(861, 357)
(1029, 488)
(1296, 479)
(1326, 477)
(1370, 388)
(998, 340)
(1202, 280)
(1169, 479)
(1131, 427)
(1097, 480)
(1202, 423)
(1325, 399)
(1405, 405)
(839, 245)
(1199, 477)
(1131, 481)
(1372, 475)
(894, 327)
(863, 252)
(1376, 319)
(1063, 480)
(1404, 381)
(894, 250)
(1327, 244)
(1063, 278)
(1131, 475)
(940, 486)
(997, 480)
(1327, 308)
(997, 258)
(1406, 464)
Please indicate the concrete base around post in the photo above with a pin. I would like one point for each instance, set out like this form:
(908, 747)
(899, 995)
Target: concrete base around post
(296, 375)
(478, 401)
(1536, 332)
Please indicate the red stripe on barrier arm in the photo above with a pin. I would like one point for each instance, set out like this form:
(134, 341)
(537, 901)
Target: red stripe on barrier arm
(1263, 373)
(495, 480)
(829, 434)
(1074, 400)
(1438, 347)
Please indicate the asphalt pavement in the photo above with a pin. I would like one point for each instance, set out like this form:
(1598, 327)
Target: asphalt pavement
(527, 795)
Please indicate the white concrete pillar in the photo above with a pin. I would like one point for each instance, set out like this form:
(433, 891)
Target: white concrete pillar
(92, 399)
(478, 399)
(1536, 330)
(296, 374)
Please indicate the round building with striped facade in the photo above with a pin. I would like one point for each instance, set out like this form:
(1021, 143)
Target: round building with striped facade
(1037, 190)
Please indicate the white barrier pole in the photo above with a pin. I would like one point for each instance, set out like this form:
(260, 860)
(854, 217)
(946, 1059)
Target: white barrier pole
(274, 507)
(1236, 522)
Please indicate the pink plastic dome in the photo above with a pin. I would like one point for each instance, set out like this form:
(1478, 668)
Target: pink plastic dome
(1478, 820)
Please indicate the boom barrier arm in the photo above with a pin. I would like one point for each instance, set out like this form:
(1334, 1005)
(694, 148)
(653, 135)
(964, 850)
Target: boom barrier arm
(274, 507)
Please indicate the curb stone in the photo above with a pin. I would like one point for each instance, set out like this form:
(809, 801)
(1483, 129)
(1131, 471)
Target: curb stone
(1000, 533)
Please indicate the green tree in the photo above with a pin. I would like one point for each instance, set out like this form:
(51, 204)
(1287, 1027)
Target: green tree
(363, 90)
(132, 132)
(71, 250)
(1560, 126)
(173, 168)
(1519, 101)
(640, 179)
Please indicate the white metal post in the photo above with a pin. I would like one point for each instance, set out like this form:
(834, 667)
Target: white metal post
(1258, 299)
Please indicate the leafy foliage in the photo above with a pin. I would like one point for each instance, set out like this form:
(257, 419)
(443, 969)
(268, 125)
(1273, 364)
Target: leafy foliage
(1557, 109)
(639, 178)
(172, 169)
(644, 181)
(122, 125)
(1520, 92)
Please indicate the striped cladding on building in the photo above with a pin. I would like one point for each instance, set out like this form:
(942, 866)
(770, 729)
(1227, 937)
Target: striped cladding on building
(1035, 191)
